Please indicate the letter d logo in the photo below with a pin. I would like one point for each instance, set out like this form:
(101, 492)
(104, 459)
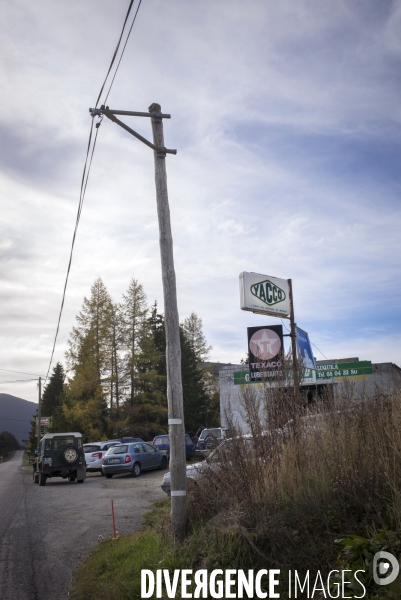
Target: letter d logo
(381, 568)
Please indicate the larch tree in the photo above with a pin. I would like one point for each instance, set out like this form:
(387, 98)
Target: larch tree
(94, 318)
(134, 310)
(116, 346)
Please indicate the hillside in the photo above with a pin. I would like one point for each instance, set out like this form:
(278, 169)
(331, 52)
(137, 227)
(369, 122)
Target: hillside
(16, 415)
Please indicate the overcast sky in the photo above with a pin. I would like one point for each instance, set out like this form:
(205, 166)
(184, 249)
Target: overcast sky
(286, 117)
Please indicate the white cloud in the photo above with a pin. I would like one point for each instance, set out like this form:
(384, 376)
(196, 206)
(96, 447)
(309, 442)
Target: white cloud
(286, 120)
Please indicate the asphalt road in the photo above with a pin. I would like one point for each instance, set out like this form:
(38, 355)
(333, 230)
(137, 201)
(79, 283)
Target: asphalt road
(46, 532)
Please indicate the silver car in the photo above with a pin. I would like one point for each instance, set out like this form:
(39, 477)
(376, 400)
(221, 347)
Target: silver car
(211, 463)
(132, 458)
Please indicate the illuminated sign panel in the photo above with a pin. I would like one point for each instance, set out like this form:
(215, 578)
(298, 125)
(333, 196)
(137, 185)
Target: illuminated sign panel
(264, 295)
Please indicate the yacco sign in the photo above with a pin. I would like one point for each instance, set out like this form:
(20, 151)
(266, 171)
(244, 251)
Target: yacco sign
(351, 369)
(265, 347)
(264, 294)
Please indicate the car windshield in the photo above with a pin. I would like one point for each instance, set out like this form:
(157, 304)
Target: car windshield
(91, 448)
(206, 432)
(117, 450)
(228, 447)
(63, 441)
(160, 441)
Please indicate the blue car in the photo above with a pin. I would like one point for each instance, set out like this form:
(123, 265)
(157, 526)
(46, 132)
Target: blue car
(162, 443)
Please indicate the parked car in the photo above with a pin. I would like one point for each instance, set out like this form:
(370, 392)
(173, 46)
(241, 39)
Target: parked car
(94, 453)
(132, 458)
(209, 439)
(60, 455)
(162, 443)
(211, 463)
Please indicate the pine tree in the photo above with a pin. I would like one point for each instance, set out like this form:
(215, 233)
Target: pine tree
(32, 443)
(207, 411)
(193, 328)
(53, 392)
(195, 393)
(149, 413)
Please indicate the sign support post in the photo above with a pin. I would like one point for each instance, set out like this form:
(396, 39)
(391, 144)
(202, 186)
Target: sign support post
(39, 415)
(295, 372)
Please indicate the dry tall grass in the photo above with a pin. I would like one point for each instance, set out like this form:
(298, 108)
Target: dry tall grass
(311, 475)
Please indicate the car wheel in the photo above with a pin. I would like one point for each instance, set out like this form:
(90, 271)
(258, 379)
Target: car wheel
(163, 463)
(136, 470)
(80, 480)
(42, 479)
(70, 455)
(109, 475)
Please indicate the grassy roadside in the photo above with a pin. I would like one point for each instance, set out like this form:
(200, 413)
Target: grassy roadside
(112, 571)
(326, 496)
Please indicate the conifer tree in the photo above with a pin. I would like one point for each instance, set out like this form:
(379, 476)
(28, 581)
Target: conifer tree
(53, 393)
(150, 408)
(116, 345)
(193, 328)
(33, 436)
(84, 408)
(94, 318)
(134, 311)
(195, 394)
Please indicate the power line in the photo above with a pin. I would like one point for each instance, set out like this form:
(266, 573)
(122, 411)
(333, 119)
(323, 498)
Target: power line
(21, 372)
(115, 54)
(284, 324)
(86, 170)
(18, 380)
(319, 351)
(309, 340)
(29, 420)
(123, 50)
(84, 183)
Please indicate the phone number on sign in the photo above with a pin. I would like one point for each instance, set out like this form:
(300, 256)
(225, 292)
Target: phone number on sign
(340, 373)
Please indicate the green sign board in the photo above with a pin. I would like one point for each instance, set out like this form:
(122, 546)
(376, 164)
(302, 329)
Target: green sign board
(241, 377)
(351, 369)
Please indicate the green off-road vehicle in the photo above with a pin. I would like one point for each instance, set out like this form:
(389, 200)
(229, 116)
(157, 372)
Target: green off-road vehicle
(60, 455)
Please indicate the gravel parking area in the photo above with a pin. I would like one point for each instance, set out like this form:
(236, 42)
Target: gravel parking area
(47, 531)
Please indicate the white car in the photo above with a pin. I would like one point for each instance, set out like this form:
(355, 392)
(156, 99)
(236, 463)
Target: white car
(94, 453)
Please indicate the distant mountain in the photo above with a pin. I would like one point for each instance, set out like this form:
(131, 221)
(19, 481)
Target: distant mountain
(16, 415)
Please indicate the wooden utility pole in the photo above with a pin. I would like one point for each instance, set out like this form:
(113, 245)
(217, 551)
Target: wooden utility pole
(39, 410)
(173, 348)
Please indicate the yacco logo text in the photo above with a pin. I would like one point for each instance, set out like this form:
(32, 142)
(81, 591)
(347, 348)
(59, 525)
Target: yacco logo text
(267, 292)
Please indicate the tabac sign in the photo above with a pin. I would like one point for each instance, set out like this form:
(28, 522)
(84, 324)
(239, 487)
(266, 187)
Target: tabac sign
(264, 294)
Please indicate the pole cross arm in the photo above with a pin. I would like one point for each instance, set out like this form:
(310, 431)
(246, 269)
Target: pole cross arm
(110, 114)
